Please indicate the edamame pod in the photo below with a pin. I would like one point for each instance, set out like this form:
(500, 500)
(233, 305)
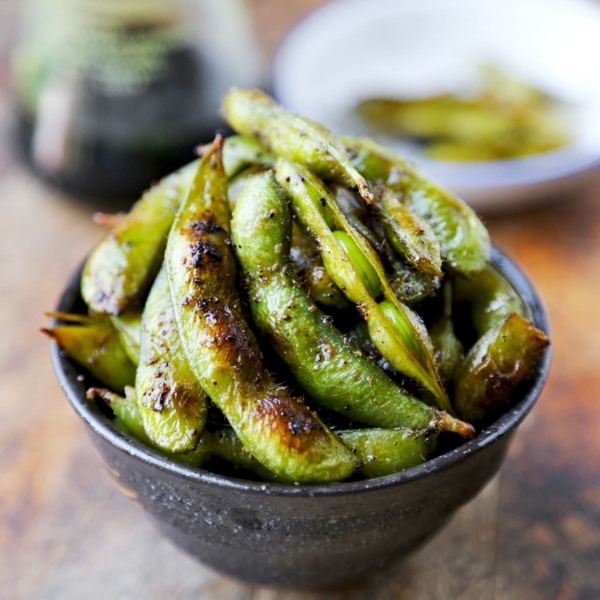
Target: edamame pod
(387, 451)
(129, 420)
(495, 365)
(253, 113)
(308, 267)
(406, 343)
(410, 235)
(124, 264)
(491, 297)
(381, 451)
(96, 346)
(330, 370)
(128, 324)
(224, 356)
(241, 152)
(448, 350)
(464, 240)
(409, 284)
(172, 402)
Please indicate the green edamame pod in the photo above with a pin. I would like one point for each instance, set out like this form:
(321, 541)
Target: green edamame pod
(221, 350)
(128, 324)
(236, 184)
(306, 261)
(253, 113)
(125, 411)
(405, 344)
(499, 361)
(491, 297)
(123, 265)
(410, 285)
(225, 444)
(331, 371)
(129, 420)
(308, 266)
(241, 152)
(464, 240)
(381, 451)
(96, 346)
(448, 350)
(172, 402)
(410, 235)
(387, 451)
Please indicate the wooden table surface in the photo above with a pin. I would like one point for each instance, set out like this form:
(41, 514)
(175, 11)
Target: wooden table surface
(67, 533)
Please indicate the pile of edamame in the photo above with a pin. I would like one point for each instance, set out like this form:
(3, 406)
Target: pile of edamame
(286, 304)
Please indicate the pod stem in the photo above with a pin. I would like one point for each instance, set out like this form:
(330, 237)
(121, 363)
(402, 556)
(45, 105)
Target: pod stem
(449, 423)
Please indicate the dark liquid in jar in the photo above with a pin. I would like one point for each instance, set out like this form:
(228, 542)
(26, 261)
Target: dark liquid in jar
(111, 147)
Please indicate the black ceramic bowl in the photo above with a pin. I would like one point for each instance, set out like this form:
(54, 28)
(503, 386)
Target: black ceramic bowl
(303, 536)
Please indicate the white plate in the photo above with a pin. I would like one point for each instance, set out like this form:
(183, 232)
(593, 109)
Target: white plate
(349, 50)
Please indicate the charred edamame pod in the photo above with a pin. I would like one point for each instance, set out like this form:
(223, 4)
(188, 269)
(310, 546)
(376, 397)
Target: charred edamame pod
(403, 340)
(327, 367)
(381, 451)
(123, 265)
(224, 356)
(499, 361)
(253, 113)
(464, 240)
(95, 345)
(172, 402)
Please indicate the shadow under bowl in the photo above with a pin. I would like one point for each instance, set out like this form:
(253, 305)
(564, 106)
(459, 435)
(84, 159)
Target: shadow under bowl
(304, 537)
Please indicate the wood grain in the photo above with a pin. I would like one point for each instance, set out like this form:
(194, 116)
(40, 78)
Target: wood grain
(67, 533)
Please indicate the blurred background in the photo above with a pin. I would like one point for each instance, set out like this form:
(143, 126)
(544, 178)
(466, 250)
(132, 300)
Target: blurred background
(500, 100)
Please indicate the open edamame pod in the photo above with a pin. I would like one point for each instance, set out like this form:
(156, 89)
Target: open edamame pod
(328, 368)
(253, 113)
(495, 365)
(96, 346)
(223, 354)
(464, 240)
(124, 264)
(172, 402)
(397, 332)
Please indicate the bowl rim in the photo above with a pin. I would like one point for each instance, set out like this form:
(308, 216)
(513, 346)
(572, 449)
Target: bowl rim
(74, 390)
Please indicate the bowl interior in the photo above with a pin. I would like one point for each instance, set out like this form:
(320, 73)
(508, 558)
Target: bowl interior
(75, 390)
(349, 50)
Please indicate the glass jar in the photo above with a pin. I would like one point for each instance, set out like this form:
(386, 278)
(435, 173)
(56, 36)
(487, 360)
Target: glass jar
(113, 94)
